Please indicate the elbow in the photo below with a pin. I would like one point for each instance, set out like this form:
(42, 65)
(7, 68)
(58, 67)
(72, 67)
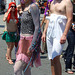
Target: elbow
(70, 20)
(4, 20)
(37, 28)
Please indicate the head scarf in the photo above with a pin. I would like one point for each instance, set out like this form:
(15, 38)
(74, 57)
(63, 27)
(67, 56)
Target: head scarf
(9, 15)
(23, 1)
(47, 8)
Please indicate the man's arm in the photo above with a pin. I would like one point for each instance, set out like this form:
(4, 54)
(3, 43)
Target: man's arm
(69, 14)
(42, 21)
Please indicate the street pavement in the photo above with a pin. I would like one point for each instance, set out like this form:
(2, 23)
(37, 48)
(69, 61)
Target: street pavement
(6, 69)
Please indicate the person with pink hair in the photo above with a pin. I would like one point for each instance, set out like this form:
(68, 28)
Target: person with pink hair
(30, 38)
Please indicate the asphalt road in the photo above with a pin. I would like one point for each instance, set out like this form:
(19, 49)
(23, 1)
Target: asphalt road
(6, 69)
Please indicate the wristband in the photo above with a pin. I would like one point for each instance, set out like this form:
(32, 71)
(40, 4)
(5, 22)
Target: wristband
(73, 24)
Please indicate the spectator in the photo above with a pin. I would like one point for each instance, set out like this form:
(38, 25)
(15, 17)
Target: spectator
(10, 35)
(46, 13)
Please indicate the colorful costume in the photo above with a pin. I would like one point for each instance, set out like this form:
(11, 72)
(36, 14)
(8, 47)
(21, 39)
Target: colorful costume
(10, 24)
(30, 24)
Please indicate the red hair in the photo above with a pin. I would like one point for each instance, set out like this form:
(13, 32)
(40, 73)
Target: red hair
(9, 15)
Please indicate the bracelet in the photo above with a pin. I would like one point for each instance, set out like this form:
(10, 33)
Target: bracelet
(73, 24)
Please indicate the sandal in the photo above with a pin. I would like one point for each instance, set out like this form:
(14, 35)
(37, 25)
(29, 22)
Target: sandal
(10, 61)
(7, 58)
(69, 71)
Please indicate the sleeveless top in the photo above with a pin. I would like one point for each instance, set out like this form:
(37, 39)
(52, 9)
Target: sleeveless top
(27, 25)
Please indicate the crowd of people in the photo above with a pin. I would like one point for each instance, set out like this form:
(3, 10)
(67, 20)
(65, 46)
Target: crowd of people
(24, 31)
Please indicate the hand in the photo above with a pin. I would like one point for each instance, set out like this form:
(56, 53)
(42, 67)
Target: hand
(20, 12)
(63, 39)
(9, 10)
(29, 53)
(18, 34)
(43, 37)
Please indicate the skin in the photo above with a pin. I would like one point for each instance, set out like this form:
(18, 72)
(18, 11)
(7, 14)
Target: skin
(73, 22)
(10, 28)
(66, 6)
(20, 8)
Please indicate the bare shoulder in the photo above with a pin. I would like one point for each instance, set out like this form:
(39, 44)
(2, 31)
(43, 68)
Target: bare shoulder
(68, 2)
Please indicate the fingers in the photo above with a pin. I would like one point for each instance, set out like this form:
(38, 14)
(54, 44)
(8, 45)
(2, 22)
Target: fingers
(43, 39)
(62, 41)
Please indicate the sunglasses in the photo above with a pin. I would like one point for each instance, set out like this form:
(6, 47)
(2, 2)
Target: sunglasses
(13, 6)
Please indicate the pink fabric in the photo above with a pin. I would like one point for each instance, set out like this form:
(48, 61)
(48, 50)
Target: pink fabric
(38, 61)
(22, 57)
(24, 45)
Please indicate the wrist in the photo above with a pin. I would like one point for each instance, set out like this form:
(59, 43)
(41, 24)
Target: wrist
(64, 34)
(44, 33)
(73, 24)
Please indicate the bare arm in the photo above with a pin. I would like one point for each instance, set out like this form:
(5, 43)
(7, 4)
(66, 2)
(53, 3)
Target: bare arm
(42, 21)
(69, 11)
(6, 15)
(45, 30)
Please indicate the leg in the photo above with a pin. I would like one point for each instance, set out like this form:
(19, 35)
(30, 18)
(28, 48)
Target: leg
(42, 43)
(74, 55)
(9, 49)
(44, 47)
(16, 47)
(74, 62)
(54, 66)
(69, 51)
(18, 67)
